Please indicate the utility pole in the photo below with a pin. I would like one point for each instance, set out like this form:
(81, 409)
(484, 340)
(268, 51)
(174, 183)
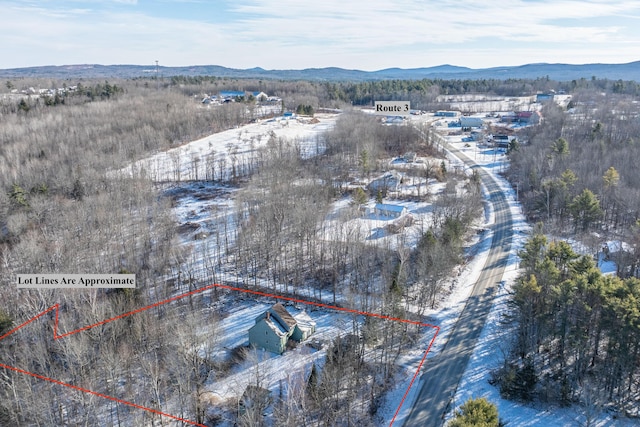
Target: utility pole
(157, 76)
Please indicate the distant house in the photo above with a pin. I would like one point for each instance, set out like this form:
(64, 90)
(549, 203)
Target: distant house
(446, 114)
(390, 181)
(390, 211)
(471, 122)
(275, 327)
(409, 156)
(260, 96)
(501, 141)
(231, 94)
(619, 258)
(544, 97)
(528, 117)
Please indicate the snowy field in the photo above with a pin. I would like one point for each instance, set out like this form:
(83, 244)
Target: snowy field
(477, 103)
(217, 154)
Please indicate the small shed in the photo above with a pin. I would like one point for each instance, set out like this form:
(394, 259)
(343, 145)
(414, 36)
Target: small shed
(409, 156)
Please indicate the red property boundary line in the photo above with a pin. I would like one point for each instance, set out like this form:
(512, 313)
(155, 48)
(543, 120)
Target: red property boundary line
(56, 336)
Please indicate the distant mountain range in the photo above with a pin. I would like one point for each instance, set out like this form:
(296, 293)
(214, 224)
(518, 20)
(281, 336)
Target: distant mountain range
(559, 72)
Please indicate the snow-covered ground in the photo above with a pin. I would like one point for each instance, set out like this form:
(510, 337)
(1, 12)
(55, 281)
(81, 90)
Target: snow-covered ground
(477, 103)
(220, 152)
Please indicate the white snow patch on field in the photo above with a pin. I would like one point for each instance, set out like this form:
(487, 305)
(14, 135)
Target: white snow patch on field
(220, 151)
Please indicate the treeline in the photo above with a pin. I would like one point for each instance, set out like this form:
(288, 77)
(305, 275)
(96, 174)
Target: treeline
(578, 331)
(65, 96)
(422, 93)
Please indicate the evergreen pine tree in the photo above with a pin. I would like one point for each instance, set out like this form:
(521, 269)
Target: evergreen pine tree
(477, 413)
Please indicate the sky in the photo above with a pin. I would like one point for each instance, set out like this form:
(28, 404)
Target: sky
(295, 34)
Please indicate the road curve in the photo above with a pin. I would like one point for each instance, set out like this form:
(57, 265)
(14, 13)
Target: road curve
(442, 373)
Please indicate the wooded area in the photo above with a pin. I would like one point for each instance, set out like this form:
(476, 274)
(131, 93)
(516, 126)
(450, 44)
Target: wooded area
(61, 210)
(578, 331)
(576, 171)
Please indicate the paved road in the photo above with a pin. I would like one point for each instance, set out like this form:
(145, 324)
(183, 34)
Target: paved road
(443, 373)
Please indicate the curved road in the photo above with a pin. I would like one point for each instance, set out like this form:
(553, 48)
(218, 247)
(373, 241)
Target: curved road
(443, 373)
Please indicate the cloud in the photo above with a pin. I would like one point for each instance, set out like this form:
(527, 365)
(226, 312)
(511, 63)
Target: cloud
(367, 34)
(359, 22)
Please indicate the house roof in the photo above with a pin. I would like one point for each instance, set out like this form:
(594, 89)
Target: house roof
(225, 93)
(283, 315)
(278, 319)
(390, 208)
(276, 326)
